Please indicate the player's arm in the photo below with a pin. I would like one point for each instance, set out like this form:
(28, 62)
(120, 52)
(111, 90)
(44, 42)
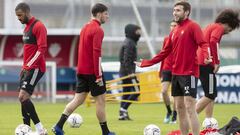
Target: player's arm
(214, 47)
(97, 45)
(159, 57)
(199, 39)
(40, 32)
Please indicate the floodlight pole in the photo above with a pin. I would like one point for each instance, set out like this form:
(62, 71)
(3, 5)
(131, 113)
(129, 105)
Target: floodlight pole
(143, 28)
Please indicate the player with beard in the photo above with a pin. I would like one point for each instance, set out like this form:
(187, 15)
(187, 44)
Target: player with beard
(35, 46)
(183, 42)
(89, 71)
(226, 21)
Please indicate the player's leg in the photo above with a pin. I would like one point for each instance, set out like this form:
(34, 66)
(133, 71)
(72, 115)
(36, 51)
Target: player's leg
(81, 93)
(166, 99)
(178, 95)
(98, 92)
(209, 110)
(208, 81)
(189, 85)
(123, 110)
(190, 104)
(28, 81)
(166, 77)
(78, 99)
(132, 97)
(182, 115)
(212, 96)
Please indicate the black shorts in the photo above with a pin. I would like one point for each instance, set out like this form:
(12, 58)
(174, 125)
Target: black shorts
(208, 81)
(166, 76)
(184, 85)
(86, 83)
(29, 79)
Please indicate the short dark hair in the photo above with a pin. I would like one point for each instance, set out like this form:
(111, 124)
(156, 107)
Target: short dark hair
(23, 6)
(229, 17)
(98, 8)
(186, 6)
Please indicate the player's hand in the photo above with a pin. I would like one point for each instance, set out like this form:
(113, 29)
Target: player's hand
(138, 63)
(99, 81)
(216, 68)
(208, 60)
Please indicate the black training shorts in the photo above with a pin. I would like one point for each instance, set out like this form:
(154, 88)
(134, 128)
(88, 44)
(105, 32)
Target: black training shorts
(184, 85)
(208, 81)
(86, 83)
(29, 79)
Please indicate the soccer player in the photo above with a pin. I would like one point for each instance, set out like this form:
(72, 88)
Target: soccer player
(166, 77)
(183, 43)
(225, 22)
(89, 71)
(127, 56)
(35, 45)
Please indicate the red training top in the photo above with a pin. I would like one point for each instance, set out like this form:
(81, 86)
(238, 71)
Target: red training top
(89, 51)
(213, 34)
(35, 45)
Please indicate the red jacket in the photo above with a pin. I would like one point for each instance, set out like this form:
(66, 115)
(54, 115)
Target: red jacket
(34, 54)
(89, 51)
(183, 43)
(213, 34)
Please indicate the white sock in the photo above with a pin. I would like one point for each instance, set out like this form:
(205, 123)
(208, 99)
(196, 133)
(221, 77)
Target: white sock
(39, 127)
(122, 109)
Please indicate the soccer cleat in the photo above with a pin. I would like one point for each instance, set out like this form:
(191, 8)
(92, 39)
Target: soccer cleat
(167, 118)
(174, 118)
(124, 116)
(57, 130)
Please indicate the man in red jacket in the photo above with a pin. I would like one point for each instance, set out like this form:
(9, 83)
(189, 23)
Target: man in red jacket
(165, 74)
(35, 45)
(89, 71)
(225, 22)
(183, 43)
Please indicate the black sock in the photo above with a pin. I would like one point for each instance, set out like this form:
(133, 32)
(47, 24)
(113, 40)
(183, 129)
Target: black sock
(28, 105)
(62, 120)
(175, 113)
(104, 127)
(169, 109)
(25, 115)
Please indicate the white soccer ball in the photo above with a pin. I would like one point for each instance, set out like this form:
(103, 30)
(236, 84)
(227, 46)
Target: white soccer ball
(210, 123)
(23, 129)
(75, 120)
(152, 130)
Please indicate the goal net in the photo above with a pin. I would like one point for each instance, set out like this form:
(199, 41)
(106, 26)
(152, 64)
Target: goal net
(44, 91)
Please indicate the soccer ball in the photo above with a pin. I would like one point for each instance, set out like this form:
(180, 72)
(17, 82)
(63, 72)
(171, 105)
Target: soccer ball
(23, 129)
(210, 123)
(75, 120)
(152, 130)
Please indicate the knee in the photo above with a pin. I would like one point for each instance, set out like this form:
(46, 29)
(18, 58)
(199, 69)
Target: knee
(22, 98)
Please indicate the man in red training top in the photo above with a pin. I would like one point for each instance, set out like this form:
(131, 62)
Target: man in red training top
(183, 43)
(89, 71)
(225, 22)
(166, 78)
(35, 45)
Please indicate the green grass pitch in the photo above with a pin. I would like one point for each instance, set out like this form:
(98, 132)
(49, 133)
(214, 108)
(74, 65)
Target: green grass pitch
(142, 114)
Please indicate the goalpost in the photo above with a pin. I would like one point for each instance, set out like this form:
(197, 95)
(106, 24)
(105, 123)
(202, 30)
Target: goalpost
(45, 90)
